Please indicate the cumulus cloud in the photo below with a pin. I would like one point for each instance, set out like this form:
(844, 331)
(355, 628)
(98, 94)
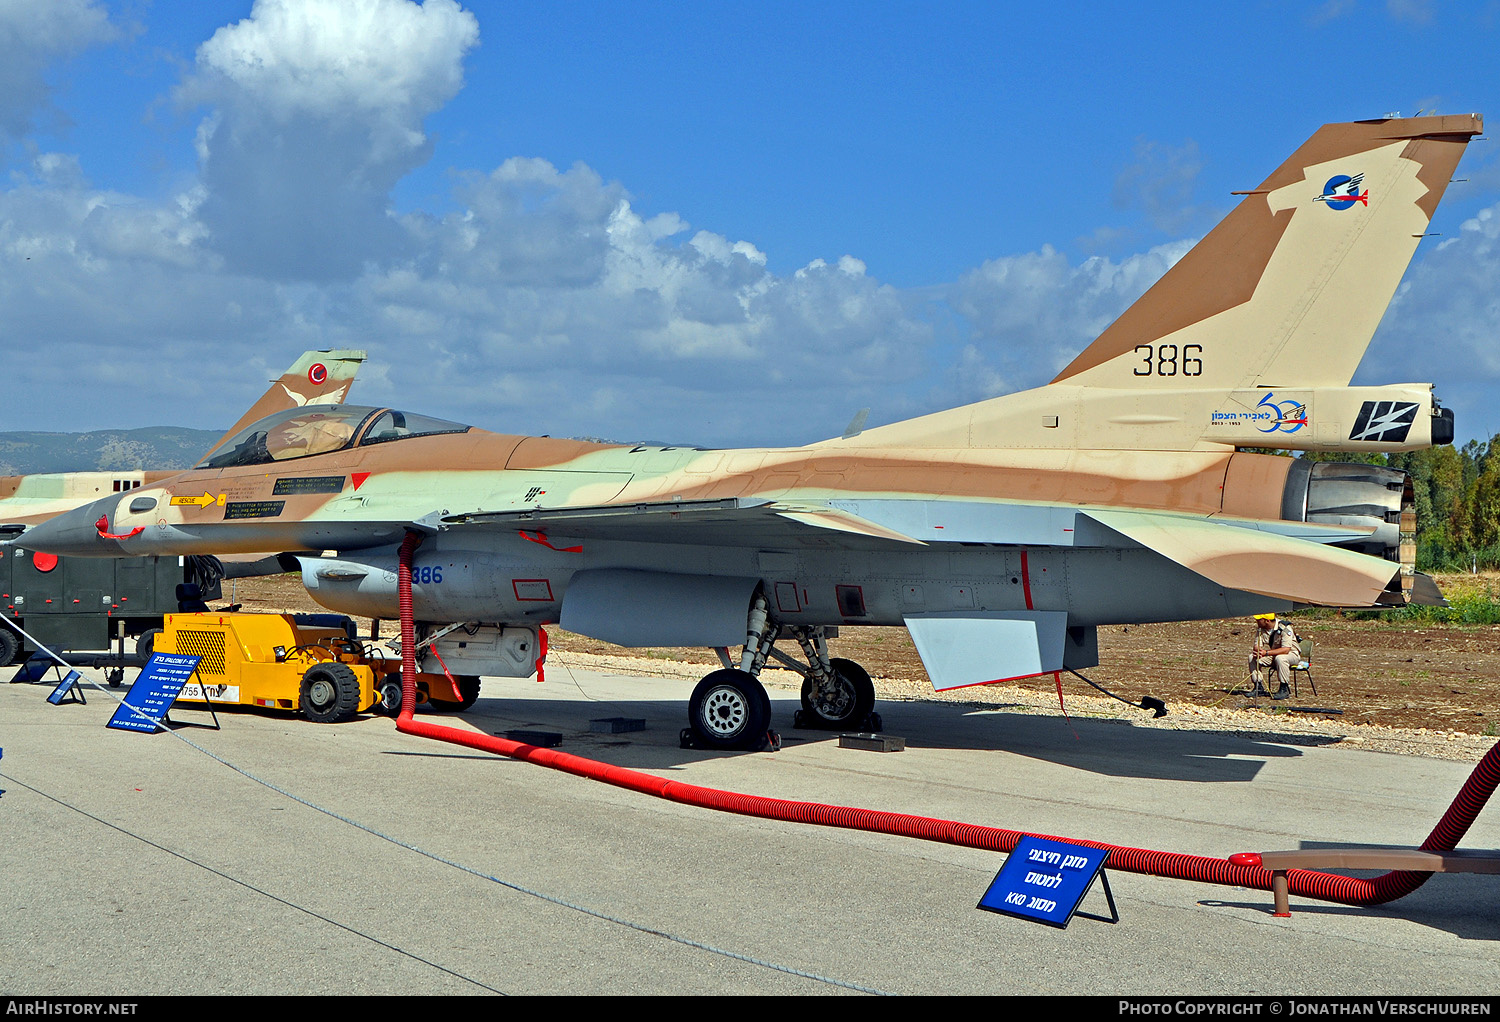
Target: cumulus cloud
(1443, 323)
(1032, 313)
(545, 300)
(33, 35)
(1160, 182)
(553, 277)
(317, 111)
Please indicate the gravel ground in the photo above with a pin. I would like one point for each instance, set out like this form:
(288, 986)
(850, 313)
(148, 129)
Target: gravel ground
(1269, 723)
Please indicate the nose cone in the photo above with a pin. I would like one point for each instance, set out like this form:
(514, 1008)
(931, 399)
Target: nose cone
(75, 533)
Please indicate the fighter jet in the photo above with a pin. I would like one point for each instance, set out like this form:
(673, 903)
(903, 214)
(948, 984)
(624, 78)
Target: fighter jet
(1001, 534)
(317, 377)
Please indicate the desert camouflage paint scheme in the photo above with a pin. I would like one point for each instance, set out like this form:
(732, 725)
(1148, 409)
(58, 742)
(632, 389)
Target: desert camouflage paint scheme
(1001, 534)
(317, 377)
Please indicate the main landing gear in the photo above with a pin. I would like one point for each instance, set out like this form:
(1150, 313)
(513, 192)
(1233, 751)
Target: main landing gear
(729, 709)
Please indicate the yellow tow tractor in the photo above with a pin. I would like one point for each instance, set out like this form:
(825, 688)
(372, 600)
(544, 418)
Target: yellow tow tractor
(312, 663)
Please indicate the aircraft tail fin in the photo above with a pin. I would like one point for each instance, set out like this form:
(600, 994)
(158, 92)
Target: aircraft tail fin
(316, 378)
(1287, 290)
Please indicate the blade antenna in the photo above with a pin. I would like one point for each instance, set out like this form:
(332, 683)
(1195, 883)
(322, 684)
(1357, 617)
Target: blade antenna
(857, 424)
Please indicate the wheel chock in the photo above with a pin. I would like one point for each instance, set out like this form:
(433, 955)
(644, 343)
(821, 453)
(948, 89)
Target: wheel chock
(872, 742)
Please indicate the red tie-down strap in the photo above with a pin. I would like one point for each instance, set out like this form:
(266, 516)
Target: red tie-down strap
(541, 537)
(103, 526)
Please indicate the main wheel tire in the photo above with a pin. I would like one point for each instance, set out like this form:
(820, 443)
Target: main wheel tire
(330, 693)
(851, 703)
(468, 688)
(390, 695)
(729, 709)
(10, 645)
(145, 643)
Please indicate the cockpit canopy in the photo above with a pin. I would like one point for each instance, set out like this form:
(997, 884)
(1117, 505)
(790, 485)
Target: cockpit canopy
(321, 429)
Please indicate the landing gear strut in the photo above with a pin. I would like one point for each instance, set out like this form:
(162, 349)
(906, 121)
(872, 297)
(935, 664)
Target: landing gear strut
(730, 709)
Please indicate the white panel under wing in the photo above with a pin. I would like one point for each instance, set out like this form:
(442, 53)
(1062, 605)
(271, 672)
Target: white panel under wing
(980, 647)
(657, 608)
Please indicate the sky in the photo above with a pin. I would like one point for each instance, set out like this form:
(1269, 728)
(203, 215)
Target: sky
(727, 224)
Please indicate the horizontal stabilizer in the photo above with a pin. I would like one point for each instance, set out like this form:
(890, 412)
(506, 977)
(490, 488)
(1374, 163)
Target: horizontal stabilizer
(1309, 532)
(1258, 562)
(1425, 592)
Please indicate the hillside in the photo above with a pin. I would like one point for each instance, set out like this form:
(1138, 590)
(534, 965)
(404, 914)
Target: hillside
(152, 447)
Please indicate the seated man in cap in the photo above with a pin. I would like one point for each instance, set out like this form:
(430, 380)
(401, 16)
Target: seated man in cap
(1275, 645)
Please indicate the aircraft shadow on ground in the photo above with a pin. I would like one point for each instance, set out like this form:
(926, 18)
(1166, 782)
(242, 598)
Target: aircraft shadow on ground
(1112, 747)
(1454, 903)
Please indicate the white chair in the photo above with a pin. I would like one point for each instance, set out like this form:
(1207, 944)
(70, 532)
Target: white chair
(1305, 666)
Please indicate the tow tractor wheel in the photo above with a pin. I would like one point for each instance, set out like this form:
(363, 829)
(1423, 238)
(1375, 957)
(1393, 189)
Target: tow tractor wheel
(330, 693)
(145, 643)
(730, 710)
(468, 688)
(10, 645)
(850, 703)
(389, 701)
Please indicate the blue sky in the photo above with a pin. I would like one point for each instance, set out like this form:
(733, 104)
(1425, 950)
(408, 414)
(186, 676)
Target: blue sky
(716, 223)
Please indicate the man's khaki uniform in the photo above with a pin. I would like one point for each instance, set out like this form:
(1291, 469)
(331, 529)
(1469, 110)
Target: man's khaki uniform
(1280, 635)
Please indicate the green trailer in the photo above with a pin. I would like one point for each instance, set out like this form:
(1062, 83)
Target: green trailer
(93, 603)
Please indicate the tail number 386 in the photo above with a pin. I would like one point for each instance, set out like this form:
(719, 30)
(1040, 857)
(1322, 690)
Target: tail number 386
(1164, 360)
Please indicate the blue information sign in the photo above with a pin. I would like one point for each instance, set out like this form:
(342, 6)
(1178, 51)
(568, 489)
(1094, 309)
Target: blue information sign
(64, 687)
(1044, 880)
(149, 699)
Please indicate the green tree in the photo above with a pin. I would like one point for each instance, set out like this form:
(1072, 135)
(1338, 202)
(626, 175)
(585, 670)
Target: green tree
(1483, 500)
(1474, 454)
(1348, 457)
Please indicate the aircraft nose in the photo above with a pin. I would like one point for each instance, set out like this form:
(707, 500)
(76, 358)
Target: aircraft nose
(75, 533)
